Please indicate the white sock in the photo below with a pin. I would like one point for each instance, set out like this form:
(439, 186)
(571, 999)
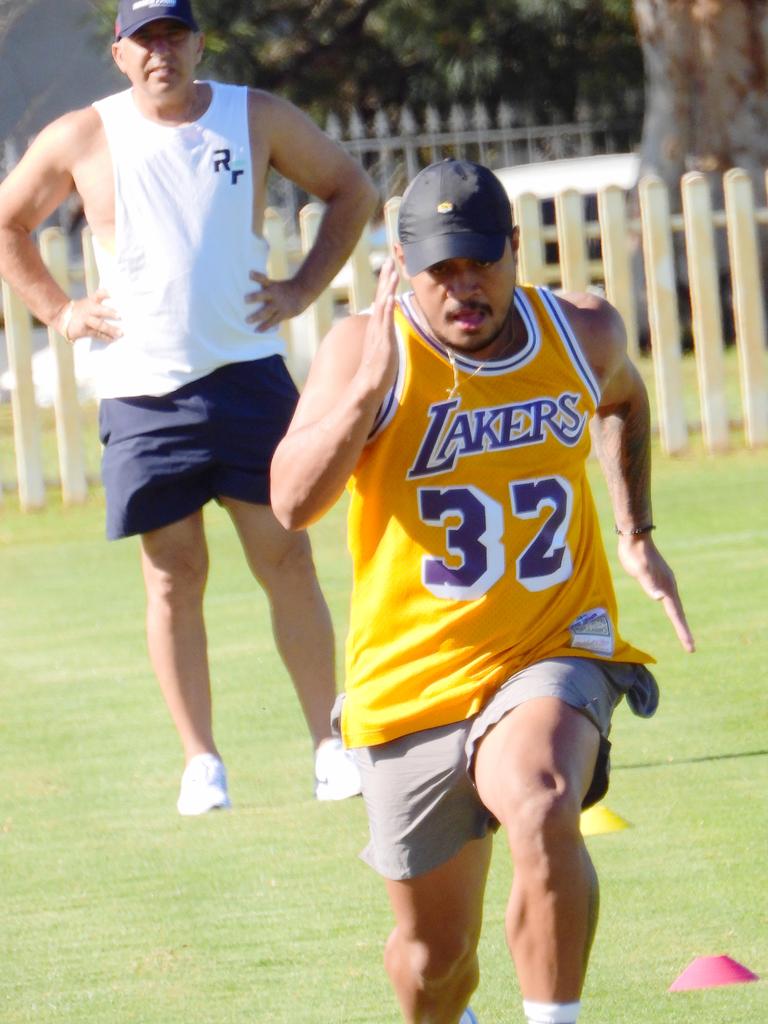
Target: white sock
(551, 1013)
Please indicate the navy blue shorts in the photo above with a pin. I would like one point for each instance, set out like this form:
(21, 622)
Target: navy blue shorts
(165, 457)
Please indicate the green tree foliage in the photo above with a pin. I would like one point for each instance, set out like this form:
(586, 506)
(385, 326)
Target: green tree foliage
(337, 55)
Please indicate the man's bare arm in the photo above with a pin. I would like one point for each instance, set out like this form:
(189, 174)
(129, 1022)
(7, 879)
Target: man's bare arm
(39, 183)
(621, 430)
(352, 371)
(305, 155)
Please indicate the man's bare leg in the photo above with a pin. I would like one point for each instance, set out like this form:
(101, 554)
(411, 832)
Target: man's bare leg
(532, 771)
(431, 954)
(282, 563)
(175, 566)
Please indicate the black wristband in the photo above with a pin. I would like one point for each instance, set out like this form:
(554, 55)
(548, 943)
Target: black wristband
(636, 532)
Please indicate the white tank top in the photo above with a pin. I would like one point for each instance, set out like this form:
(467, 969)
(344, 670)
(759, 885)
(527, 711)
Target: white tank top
(183, 246)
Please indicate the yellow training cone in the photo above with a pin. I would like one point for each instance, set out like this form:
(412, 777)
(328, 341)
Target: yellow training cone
(598, 819)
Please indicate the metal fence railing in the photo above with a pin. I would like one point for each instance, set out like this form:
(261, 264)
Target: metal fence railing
(394, 149)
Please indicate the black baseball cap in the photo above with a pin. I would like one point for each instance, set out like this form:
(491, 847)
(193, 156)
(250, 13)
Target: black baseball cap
(135, 14)
(453, 209)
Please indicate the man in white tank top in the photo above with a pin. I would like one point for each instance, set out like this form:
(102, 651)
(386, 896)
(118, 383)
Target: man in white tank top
(194, 390)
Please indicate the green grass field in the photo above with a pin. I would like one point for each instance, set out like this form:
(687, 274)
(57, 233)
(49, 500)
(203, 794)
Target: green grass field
(117, 911)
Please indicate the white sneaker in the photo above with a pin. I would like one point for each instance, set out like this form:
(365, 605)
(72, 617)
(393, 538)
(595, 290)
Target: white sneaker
(336, 774)
(468, 1017)
(203, 786)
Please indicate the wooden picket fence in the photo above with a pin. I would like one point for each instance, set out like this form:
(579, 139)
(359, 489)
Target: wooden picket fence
(576, 269)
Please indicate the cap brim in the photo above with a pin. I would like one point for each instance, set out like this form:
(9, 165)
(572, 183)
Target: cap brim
(192, 26)
(461, 245)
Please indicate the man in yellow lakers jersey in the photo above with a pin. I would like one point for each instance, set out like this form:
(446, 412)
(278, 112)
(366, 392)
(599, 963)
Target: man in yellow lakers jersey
(484, 656)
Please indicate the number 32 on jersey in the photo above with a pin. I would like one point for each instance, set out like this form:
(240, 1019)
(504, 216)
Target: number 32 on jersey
(473, 525)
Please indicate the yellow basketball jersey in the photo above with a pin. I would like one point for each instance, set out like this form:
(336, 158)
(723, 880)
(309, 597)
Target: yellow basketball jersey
(474, 538)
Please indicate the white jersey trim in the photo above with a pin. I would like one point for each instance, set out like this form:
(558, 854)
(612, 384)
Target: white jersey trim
(391, 401)
(570, 342)
(481, 367)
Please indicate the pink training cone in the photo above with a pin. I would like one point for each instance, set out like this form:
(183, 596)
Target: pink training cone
(709, 971)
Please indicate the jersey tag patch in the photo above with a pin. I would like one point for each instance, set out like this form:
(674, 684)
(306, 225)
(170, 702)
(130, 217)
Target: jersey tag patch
(593, 631)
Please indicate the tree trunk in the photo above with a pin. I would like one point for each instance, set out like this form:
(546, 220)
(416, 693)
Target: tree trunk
(706, 67)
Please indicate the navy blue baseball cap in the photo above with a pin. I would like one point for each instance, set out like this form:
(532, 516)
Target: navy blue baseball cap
(135, 14)
(453, 209)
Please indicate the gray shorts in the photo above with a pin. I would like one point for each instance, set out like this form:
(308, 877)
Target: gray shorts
(421, 801)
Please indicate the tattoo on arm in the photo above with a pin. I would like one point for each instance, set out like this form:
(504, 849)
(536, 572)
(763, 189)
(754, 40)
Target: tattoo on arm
(622, 442)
